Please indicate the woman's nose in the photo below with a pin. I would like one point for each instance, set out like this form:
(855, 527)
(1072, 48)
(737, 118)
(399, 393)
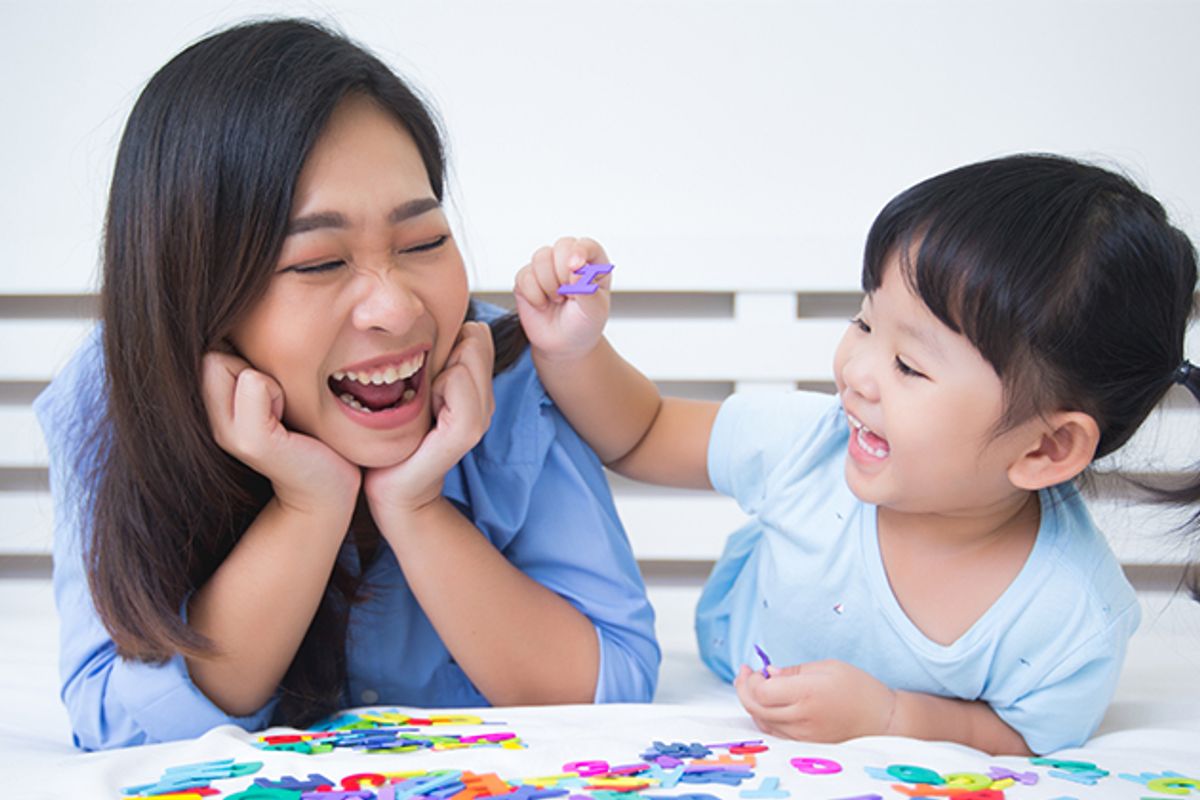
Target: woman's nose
(385, 303)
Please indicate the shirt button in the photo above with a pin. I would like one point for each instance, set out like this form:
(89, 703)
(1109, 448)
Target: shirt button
(369, 695)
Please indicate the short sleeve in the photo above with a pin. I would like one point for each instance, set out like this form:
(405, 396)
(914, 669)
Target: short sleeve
(1067, 706)
(755, 431)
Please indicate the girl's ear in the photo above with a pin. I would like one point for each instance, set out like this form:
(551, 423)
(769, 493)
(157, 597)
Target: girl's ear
(1065, 446)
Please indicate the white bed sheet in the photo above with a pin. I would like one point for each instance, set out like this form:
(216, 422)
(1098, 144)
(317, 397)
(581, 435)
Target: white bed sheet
(1152, 726)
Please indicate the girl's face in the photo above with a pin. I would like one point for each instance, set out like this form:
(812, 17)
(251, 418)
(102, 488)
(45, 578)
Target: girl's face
(368, 294)
(922, 405)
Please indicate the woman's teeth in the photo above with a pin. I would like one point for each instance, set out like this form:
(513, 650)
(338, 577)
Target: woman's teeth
(349, 400)
(401, 371)
(383, 388)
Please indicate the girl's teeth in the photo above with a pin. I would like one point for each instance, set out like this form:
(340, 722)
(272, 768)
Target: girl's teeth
(409, 394)
(878, 452)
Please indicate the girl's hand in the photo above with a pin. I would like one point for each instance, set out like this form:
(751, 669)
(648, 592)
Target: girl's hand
(462, 406)
(245, 412)
(562, 326)
(822, 701)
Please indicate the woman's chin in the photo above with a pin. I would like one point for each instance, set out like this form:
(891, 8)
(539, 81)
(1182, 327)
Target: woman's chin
(379, 452)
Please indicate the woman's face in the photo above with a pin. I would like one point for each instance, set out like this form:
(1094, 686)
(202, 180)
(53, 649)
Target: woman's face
(368, 294)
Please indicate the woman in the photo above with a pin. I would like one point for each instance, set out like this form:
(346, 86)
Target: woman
(286, 479)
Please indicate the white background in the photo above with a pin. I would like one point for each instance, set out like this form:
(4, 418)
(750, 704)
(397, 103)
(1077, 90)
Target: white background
(746, 144)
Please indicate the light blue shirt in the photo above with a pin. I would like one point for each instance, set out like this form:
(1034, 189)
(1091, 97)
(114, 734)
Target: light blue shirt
(531, 487)
(805, 580)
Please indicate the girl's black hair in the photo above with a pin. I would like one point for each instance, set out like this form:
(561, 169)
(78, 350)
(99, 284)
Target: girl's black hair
(198, 211)
(1068, 279)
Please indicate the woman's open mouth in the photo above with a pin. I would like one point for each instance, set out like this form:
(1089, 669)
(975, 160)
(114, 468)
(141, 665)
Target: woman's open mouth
(382, 388)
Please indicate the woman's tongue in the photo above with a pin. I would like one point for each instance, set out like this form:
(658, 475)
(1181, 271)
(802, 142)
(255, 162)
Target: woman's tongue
(373, 396)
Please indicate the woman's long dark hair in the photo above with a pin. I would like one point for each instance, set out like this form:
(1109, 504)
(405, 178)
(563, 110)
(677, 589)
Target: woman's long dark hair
(1068, 279)
(197, 215)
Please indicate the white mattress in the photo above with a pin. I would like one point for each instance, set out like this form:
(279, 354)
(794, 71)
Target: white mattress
(1153, 725)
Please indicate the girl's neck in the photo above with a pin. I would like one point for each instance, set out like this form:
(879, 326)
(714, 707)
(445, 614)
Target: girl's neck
(946, 571)
(963, 532)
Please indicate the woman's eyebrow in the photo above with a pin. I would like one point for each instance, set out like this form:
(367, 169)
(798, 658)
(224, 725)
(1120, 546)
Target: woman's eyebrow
(332, 219)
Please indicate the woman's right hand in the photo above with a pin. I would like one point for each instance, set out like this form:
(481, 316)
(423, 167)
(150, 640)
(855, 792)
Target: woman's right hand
(562, 327)
(245, 412)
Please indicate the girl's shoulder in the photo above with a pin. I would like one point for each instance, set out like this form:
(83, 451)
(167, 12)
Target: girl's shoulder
(1079, 552)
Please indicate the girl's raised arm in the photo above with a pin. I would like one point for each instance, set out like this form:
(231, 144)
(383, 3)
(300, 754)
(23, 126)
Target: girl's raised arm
(613, 406)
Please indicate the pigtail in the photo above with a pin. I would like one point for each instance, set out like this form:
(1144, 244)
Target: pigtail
(1188, 376)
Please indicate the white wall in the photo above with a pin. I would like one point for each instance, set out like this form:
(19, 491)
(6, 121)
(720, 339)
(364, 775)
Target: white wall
(741, 144)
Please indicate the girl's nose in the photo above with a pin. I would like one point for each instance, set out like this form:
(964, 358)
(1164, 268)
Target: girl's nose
(860, 373)
(385, 303)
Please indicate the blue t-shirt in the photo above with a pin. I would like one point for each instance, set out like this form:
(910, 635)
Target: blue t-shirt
(805, 580)
(531, 486)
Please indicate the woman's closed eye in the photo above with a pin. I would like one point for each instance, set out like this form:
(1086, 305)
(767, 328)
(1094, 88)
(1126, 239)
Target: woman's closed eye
(433, 244)
(861, 324)
(314, 269)
(329, 266)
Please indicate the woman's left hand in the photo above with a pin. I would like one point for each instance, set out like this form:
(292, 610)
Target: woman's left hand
(462, 404)
(821, 701)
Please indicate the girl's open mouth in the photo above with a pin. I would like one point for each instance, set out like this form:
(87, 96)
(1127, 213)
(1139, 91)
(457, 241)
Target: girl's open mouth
(382, 388)
(870, 442)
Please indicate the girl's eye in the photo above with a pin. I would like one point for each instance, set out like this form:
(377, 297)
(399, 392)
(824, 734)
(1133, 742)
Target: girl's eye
(315, 269)
(905, 369)
(861, 324)
(431, 245)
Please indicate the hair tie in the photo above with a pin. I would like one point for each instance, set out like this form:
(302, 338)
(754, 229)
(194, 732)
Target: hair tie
(1183, 373)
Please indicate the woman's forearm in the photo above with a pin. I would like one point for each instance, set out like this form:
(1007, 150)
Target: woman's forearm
(257, 606)
(519, 642)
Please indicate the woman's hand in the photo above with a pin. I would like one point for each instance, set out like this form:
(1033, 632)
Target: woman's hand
(462, 406)
(821, 701)
(560, 328)
(245, 413)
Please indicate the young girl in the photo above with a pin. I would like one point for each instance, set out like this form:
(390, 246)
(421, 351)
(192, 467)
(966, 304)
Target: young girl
(277, 489)
(918, 552)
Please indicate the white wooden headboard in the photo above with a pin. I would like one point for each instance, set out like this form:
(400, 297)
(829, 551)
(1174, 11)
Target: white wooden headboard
(697, 345)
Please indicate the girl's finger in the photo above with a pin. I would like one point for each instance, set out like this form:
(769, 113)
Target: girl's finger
(526, 287)
(570, 253)
(546, 273)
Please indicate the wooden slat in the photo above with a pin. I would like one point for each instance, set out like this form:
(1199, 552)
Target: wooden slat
(665, 349)
(36, 349)
(674, 525)
(21, 443)
(27, 523)
(694, 528)
(1169, 442)
(682, 349)
(799, 350)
